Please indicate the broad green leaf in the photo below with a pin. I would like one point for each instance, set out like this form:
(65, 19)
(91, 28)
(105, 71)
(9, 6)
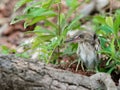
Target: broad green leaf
(117, 24)
(57, 1)
(20, 18)
(119, 43)
(45, 38)
(106, 29)
(29, 22)
(108, 62)
(72, 3)
(112, 47)
(105, 52)
(103, 41)
(111, 70)
(74, 21)
(100, 32)
(23, 55)
(41, 30)
(20, 3)
(33, 16)
(4, 50)
(37, 4)
(118, 11)
(37, 42)
(62, 18)
(34, 12)
(49, 23)
(109, 21)
(48, 3)
(99, 19)
(40, 40)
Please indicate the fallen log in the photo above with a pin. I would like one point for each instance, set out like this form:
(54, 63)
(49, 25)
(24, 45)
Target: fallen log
(23, 74)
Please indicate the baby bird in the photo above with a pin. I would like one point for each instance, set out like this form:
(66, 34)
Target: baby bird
(88, 45)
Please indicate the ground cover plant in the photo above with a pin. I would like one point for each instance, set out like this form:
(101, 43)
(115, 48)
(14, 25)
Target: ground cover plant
(52, 26)
(50, 36)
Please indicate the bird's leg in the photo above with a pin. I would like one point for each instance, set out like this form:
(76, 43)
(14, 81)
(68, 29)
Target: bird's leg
(78, 64)
(73, 63)
(82, 66)
(79, 60)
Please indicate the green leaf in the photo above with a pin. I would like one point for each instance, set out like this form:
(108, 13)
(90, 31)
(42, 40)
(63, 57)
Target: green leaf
(33, 5)
(34, 12)
(16, 19)
(4, 50)
(118, 11)
(62, 18)
(20, 3)
(109, 21)
(105, 51)
(57, 1)
(111, 70)
(72, 3)
(40, 30)
(74, 21)
(48, 3)
(49, 23)
(99, 19)
(103, 41)
(37, 42)
(112, 45)
(106, 29)
(45, 37)
(33, 16)
(23, 55)
(32, 21)
(117, 24)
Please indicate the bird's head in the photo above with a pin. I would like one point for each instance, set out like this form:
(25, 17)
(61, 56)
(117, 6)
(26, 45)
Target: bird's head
(82, 36)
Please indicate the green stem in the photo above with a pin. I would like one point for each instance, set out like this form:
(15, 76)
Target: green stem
(59, 26)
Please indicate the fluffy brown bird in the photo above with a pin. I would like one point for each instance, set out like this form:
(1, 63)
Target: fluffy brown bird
(88, 45)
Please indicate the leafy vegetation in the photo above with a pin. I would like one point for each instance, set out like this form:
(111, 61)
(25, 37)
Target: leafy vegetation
(50, 34)
(109, 29)
(6, 50)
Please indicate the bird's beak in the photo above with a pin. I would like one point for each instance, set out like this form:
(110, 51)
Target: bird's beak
(75, 39)
(69, 40)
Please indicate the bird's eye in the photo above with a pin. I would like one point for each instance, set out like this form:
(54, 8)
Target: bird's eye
(95, 36)
(81, 36)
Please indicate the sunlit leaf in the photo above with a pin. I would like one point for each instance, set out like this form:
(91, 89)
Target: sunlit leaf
(112, 45)
(74, 21)
(33, 5)
(99, 19)
(48, 3)
(20, 3)
(72, 3)
(34, 12)
(117, 24)
(106, 29)
(41, 30)
(52, 24)
(109, 21)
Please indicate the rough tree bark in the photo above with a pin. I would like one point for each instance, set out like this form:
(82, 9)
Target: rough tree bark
(23, 74)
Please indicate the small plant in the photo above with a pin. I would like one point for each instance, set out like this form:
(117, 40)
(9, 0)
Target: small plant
(109, 35)
(50, 34)
(6, 50)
